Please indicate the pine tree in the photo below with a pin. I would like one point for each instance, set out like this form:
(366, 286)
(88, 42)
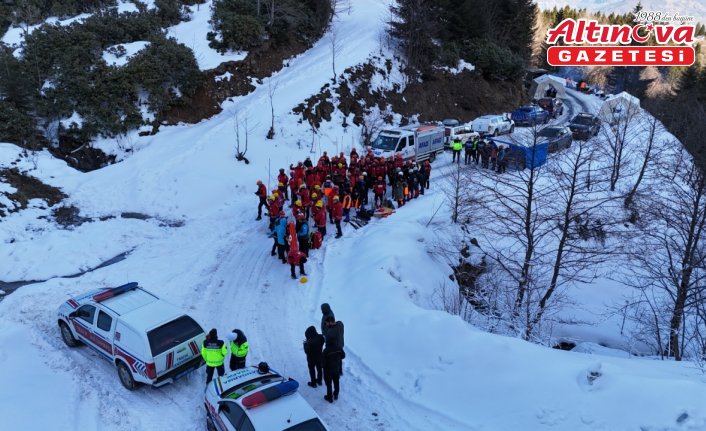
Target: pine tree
(415, 28)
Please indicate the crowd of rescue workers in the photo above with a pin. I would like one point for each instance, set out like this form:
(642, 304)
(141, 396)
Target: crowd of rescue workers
(329, 191)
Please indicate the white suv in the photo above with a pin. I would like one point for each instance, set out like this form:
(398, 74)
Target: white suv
(258, 399)
(493, 125)
(149, 341)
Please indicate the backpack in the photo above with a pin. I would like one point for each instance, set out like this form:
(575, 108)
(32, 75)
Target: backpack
(316, 240)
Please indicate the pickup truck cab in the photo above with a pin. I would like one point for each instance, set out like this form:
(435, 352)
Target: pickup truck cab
(493, 125)
(149, 340)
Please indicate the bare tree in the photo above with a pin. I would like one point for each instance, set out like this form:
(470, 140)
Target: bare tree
(455, 191)
(271, 89)
(676, 265)
(653, 128)
(580, 220)
(270, 11)
(540, 227)
(619, 134)
(335, 45)
(240, 124)
(373, 122)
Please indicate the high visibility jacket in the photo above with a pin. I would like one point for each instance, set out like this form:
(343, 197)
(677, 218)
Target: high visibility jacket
(346, 202)
(457, 146)
(214, 352)
(240, 351)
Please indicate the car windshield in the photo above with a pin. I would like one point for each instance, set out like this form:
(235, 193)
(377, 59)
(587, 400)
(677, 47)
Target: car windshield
(583, 120)
(310, 425)
(386, 143)
(172, 334)
(549, 132)
(239, 390)
(526, 109)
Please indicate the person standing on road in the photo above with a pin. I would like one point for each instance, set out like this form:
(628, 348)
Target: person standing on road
(280, 233)
(213, 352)
(468, 151)
(320, 217)
(262, 194)
(313, 347)
(238, 349)
(456, 147)
(333, 358)
(502, 160)
(337, 215)
(325, 313)
(379, 189)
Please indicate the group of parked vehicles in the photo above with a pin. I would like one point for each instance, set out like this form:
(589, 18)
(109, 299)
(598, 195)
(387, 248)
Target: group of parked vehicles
(427, 141)
(153, 342)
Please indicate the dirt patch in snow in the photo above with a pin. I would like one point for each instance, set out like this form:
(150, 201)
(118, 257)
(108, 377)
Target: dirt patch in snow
(260, 63)
(464, 96)
(26, 188)
(441, 95)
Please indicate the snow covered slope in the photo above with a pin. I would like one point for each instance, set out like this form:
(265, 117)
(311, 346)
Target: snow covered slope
(409, 366)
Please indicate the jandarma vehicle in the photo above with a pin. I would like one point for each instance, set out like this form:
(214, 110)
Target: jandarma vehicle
(149, 340)
(258, 399)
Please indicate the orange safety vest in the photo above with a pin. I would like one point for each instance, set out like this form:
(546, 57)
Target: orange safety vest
(346, 202)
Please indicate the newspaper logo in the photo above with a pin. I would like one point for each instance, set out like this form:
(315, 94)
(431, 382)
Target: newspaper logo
(589, 43)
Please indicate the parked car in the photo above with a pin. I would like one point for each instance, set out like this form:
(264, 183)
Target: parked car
(493, 125)
(585, 125)
(258, 399)
(558, 137)
(530, 115)
(463, 132)
(552, 105)
(148, 340)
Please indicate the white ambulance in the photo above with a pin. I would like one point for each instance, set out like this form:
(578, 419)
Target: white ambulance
(149, 340)
(422, 142)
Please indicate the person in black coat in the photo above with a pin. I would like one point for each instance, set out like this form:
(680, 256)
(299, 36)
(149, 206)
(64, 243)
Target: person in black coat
(333, 358)
(313, 347)
(325, 312)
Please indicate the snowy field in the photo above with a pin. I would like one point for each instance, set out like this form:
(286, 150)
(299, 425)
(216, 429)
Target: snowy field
(408, 365)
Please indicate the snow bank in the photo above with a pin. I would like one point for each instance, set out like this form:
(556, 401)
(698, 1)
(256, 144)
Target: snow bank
(131, 49)
(376, 279)
(16, 35)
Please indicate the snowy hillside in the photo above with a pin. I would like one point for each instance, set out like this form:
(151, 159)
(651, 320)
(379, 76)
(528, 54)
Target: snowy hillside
(409, 365)
(695, 8)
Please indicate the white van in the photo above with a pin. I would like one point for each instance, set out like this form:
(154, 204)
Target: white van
(149, 340)
(463, 132)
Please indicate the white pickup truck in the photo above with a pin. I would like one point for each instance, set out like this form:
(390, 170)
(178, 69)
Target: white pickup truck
(493, 125)
(149, 340)
(419, 141)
